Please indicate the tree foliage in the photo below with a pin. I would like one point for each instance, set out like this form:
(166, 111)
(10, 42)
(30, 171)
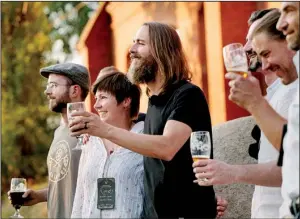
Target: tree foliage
(64, 16)
(26, 134)
(29, 30)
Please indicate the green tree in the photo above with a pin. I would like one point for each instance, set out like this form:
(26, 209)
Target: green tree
(26, 134)
(69, 18)
(29, 30)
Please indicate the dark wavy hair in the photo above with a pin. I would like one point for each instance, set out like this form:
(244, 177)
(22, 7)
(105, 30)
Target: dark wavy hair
(117, 84)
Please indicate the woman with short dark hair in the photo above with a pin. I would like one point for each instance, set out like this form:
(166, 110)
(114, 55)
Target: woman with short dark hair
(110, 177)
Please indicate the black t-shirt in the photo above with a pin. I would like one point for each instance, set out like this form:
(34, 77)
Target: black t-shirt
(169, 188)
(141, 118)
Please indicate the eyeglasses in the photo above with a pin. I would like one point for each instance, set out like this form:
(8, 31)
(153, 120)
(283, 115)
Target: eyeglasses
(53, 85)
(255, 62)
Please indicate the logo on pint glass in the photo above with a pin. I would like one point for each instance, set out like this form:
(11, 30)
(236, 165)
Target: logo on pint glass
(58, 161)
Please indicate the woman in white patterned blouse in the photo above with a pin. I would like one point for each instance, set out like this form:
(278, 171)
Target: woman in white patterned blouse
(117, 103)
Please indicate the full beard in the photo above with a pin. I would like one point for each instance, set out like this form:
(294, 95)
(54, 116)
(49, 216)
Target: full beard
(60, 104)
(142, 70)
(59, 107)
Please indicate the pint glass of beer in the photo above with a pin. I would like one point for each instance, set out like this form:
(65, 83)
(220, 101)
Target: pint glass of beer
(76, 107)
(200, 145)
(235, 59)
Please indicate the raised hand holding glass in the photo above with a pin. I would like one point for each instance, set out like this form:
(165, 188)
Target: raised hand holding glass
(76, 107)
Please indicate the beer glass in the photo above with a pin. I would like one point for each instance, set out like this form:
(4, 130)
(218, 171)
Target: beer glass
(18, 187)
(200, 145)
(235, 59)
(73, 107)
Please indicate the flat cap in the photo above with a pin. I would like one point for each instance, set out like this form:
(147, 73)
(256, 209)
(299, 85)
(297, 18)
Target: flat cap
(77, 73)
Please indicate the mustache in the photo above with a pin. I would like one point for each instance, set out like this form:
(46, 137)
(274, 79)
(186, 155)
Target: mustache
(135, 56)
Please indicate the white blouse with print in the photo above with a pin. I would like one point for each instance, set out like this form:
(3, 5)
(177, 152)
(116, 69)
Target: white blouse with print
(123, 165)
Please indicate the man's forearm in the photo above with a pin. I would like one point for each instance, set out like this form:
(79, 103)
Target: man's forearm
(263, 174)
(163, 146)
(156, 146)
(269, 121)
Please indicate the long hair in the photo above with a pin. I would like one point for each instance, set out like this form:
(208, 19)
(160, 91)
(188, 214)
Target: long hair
(166, 49)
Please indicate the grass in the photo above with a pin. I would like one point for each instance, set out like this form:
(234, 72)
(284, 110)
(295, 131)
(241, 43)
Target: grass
(35, 211)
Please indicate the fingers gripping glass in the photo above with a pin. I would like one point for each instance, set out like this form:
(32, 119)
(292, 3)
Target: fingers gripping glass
(235, 59)
(18, 187)
(200, 145)
(76, 107)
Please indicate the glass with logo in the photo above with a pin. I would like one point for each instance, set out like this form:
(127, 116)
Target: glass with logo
(235, 59)
(76, 107)
(200, 145)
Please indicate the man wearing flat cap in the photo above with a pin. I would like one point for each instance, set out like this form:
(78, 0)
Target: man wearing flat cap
(67, 83)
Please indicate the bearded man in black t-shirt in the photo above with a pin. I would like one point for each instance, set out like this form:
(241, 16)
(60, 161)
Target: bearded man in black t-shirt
(176, 109)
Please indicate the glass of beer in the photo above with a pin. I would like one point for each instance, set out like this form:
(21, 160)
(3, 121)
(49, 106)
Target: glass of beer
(73, 107)
(18, 187)
(200, 145)
(235, 59)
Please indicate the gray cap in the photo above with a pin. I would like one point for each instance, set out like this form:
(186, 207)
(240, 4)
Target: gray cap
(77, 73)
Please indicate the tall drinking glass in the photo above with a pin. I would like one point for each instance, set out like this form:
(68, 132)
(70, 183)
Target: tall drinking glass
(200, 145)
(76, 107)
(18, 187)
(235, 59)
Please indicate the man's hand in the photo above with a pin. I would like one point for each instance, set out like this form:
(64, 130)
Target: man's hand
(33, 197)
(88, 123)
(222, 205)
(215, 172)
(245, 92)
